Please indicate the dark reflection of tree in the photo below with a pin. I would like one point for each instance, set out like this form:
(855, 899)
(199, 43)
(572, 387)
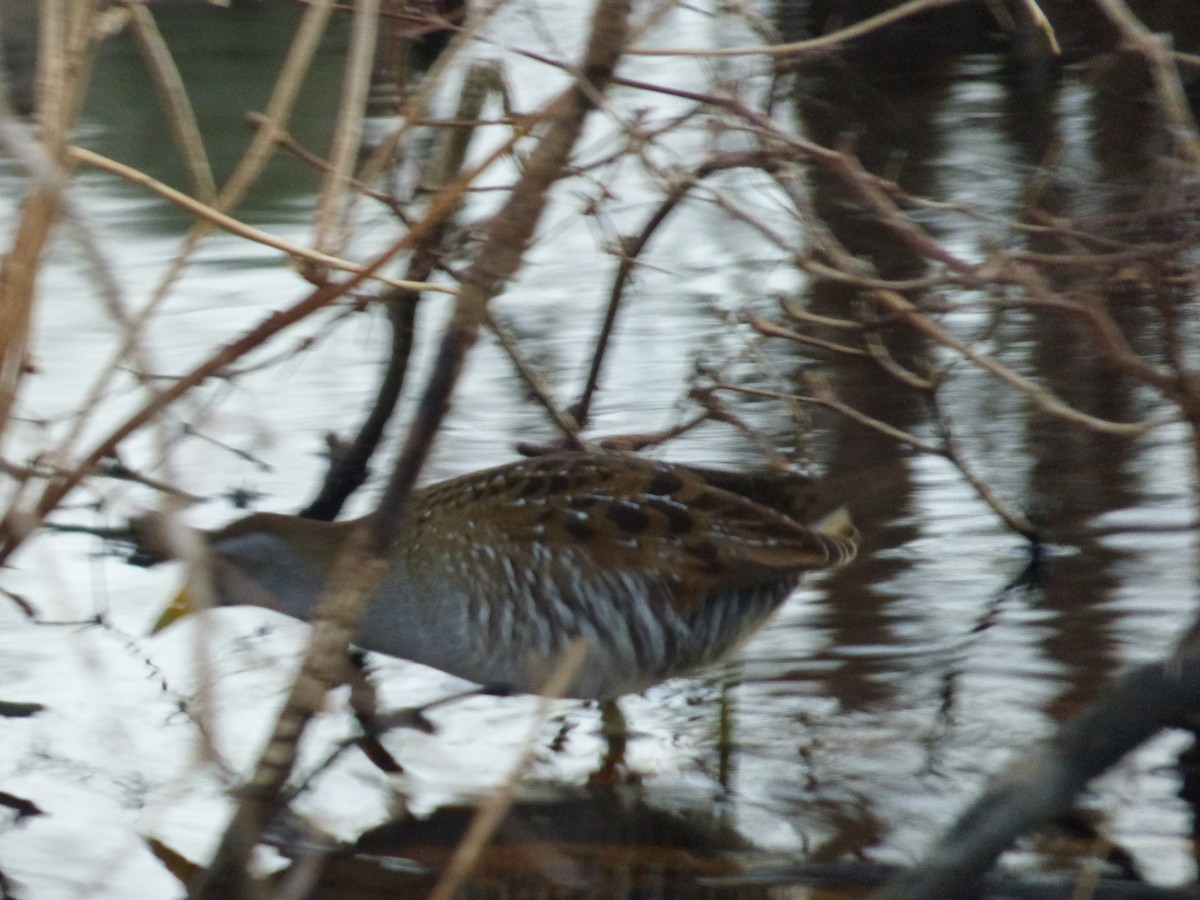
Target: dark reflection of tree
(1075, 475)
(1136, 160)
(889, 111)
(887, 104)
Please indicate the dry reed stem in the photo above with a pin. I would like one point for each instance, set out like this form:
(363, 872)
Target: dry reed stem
(66, 31)
(878, 350)
(632, 247)
(64, 61)
(333, 204)
(318, 163)
(800, 314)
(18, 274)
(770, 329)
(19, 142)
(1043, 24)
(481, 81)
(953, 453)
(181, 117)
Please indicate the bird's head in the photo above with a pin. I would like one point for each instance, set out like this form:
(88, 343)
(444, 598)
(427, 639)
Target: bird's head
(274, 561)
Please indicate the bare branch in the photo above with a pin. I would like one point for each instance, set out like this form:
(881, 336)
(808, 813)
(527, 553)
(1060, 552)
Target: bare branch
(1043, 397)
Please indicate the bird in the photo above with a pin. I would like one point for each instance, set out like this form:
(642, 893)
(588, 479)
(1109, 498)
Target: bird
(661, 569)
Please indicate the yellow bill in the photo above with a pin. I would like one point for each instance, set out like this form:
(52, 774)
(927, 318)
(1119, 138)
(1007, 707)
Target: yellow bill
(837, 522)
(179, 607)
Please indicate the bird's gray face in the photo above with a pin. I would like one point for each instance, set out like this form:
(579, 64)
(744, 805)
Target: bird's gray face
(264, 570)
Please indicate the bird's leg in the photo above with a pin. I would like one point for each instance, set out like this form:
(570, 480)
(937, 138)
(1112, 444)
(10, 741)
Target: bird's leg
(365, 702)
(615, 731)
(726, 743)
(414, 716)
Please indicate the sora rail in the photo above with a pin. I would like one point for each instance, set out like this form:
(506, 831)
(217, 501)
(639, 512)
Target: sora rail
(658, 569)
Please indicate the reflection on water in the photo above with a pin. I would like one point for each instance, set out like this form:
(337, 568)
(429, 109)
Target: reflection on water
(228, 62)
(885, 693)
(604, 843)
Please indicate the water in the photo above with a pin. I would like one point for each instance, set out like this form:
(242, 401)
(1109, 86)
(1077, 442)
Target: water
(877, 703)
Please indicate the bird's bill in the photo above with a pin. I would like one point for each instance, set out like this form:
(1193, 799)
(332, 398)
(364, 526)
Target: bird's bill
(838, 523)
(179, 607)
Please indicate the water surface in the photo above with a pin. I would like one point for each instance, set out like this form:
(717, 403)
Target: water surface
(870, 711)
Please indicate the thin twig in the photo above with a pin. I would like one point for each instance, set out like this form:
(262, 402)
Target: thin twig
(227, 223)
(825, 398)
(954, 454)
(821, 44)
(770, 329)
(535, 382)
(631, 249)
(1045, 399)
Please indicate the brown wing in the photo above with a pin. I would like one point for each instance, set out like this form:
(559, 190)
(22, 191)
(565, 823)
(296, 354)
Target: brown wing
(625, 516)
